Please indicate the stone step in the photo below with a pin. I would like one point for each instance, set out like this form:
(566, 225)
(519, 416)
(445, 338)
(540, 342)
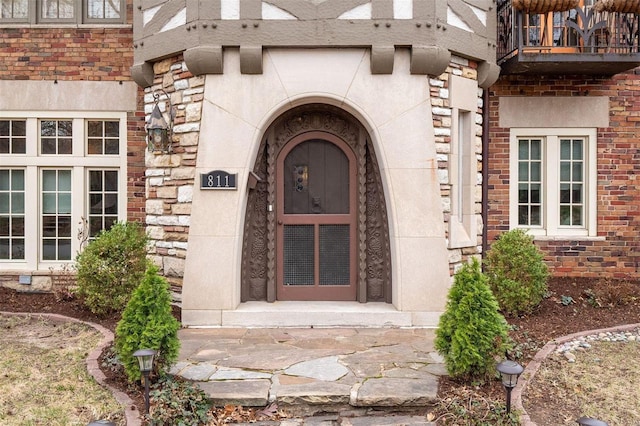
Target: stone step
(313, 397)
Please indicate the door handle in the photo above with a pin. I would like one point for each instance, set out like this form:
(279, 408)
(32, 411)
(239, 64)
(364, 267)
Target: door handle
(279, 222)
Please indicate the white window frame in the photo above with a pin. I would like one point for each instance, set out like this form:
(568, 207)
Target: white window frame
(550, 137)
(79, 162)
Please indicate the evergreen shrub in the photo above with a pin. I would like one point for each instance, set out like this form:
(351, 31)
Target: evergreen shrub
(517, 272)
(111, 267)
(471, 334)
(147, 323)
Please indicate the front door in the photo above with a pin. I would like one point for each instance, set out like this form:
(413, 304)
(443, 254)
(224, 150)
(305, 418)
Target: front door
(316, 219)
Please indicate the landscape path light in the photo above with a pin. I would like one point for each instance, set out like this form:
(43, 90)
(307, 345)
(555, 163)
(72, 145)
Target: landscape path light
(588, 421)
(145, 359)
(509, 372)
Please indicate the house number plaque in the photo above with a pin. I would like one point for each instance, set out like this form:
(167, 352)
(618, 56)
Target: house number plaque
(218, 179)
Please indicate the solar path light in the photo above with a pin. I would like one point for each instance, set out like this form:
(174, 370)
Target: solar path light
(145, 358)
(509, 372)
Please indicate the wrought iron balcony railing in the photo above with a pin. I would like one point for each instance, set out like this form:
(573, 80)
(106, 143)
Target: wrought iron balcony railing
(577, 40)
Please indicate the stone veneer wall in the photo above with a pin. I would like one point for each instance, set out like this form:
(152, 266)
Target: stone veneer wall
(171, 177)
(615, 252)
(442, 123)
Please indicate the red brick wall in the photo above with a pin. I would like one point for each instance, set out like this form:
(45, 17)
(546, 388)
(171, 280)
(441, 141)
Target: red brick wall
(617, 252)
(87, 53)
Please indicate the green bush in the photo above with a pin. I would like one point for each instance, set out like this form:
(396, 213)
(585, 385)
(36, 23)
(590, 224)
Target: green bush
(471, 333)
(517, 272)
(111, 267)
(147, 323)
(178, 402)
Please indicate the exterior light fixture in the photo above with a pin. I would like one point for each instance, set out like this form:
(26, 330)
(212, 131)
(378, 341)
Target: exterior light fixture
(159, 132)
(145, 359)
(509, 373)
(588, 421)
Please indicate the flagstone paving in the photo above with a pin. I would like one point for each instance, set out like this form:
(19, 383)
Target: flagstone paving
(307, 371)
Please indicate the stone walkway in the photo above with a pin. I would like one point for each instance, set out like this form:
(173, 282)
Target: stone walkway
(347, 371)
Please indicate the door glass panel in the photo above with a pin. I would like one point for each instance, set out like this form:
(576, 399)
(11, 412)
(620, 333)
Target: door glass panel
(298, 254)
(316, 179)
(334, 255)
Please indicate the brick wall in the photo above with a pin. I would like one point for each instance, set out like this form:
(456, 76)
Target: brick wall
(616, 251)
(87, 53)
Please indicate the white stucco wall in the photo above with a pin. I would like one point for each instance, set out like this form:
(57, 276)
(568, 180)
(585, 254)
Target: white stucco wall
(394, 108)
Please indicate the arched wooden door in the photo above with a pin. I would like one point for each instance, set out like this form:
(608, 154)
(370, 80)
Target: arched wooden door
(316, 215)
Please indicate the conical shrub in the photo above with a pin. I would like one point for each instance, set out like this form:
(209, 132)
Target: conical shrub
(471, 333)
(147, 323)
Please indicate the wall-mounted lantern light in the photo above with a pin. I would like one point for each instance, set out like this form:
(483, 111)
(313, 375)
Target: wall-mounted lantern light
(145, 359)
(159, 132)
(509, 372)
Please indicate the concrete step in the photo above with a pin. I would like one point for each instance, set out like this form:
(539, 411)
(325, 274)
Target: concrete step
(316, 314)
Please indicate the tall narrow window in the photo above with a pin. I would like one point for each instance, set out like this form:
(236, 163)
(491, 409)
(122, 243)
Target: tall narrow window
(13, 136)
(56, 215)
(56, 136)
(571, 182)
(464, 151)
(464, 163)
(103, 200)
(11, 214)
(530, 182)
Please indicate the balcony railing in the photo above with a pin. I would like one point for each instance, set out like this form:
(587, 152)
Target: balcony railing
(578, 40)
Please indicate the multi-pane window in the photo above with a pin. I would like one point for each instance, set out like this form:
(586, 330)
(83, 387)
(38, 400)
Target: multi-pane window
(62, 11)
(103, 137)
(62, 176)
(13, 136)
(56, 136)
(14, 9)
(103, 200)
(553, 189)
(57, 9)
(56, 214)
(104, 9)
(12, 214)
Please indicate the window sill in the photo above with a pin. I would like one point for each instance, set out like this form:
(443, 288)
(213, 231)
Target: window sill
(567, 237)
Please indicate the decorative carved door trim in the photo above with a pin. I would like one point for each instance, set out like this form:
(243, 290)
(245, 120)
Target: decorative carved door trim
(258, 280)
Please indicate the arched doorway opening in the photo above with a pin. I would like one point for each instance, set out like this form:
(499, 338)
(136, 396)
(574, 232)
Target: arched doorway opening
(316, 224)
